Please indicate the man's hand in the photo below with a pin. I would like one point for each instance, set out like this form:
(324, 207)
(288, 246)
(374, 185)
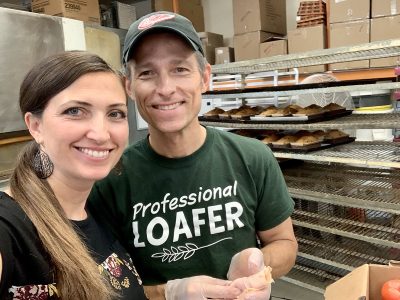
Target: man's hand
(200, 288)
(247, 270)
(245, 263)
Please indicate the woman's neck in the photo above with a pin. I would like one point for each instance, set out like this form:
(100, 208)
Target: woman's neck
(71, 197)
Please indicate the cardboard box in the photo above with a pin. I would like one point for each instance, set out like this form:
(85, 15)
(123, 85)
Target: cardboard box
(209, 53)
(125, 14)
(348, 10)
(385, 28)
(84, 10)
(194, 13)
(272, 48)
(212, 39)
(365, 281)
(382, 8)
(167, 5)
(259, 15)
(224, 55)
(191, 9)
(247, 45)
(349, 34)
(308, 39)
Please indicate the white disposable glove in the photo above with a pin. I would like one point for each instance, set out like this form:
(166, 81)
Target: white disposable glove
(200, 288)
(247, 270)
(245, 263)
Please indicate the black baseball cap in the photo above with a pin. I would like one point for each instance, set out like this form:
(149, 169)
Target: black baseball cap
(160, 20)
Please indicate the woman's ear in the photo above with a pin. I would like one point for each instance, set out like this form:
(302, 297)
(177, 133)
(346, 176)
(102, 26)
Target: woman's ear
(34, 126)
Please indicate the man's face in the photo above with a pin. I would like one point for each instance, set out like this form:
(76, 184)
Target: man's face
(166, 83)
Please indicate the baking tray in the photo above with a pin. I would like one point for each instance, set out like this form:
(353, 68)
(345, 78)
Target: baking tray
(305, 149)
(313, 147)
(287, 120)
(217, 119)
(339, 141)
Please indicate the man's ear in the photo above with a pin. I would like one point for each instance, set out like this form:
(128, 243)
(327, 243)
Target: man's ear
(128, 87)
(34, 126)
(206, 78)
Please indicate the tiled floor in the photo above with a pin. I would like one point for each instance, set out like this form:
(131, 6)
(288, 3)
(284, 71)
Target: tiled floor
(282, 290)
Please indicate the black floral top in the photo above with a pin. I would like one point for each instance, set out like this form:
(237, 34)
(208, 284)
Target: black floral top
(27, 272)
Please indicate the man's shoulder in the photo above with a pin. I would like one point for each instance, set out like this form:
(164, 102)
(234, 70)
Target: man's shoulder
(135, 149)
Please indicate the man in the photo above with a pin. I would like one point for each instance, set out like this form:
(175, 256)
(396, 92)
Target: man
(189, 198)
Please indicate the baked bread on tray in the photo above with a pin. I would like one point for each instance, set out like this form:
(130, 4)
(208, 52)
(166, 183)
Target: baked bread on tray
(246, 132)
(285, 141)
(285, 112)
(258, 109)
(310, 110)
(244, 112)
(319, 134)
(214, 113)
(269, 138)
(267, 112)
(333, 107)
(335, 134)
(301, 133)
(227, 114)
(306, 140)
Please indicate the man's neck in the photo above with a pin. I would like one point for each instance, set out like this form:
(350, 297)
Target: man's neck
(180, 144)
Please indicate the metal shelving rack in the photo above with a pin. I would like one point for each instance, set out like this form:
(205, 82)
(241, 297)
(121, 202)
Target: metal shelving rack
(371, 121)
(347, 197)
(371, 50)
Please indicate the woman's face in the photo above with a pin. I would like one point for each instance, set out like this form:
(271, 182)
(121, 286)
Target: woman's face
(84, 128)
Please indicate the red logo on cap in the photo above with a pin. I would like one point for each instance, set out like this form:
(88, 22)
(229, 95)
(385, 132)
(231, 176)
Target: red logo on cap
(154, 19)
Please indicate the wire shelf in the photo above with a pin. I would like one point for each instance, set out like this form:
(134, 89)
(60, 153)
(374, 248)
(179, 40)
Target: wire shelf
(341, 252)
(311, 278)
(383, 154)
(354, 121)
(369, 188)
(365, 225)
(299, 90)
(371, 50)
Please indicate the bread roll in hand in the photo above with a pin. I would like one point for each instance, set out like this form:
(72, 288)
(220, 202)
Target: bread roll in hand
(256, 282)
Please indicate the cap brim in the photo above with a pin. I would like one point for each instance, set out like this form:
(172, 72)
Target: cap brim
(132, 43)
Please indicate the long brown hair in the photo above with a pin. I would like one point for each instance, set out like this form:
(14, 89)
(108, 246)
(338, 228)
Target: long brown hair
(76, 273)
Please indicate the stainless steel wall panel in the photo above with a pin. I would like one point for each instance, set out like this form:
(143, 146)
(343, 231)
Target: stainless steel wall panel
(25, 39)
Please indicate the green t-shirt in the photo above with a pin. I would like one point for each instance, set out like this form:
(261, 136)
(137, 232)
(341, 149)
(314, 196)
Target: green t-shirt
(189, 216)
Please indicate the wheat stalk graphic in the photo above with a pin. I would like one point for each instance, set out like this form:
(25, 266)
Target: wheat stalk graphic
(186, 251)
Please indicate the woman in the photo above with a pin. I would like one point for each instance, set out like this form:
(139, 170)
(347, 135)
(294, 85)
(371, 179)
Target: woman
(74, 106)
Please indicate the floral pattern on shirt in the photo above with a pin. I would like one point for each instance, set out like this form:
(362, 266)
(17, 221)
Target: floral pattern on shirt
(113, 266)
(34, 292)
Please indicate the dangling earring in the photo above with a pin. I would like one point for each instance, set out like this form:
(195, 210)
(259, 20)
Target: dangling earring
(42, 165)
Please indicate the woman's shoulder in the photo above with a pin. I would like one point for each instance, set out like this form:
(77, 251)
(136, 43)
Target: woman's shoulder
(15, 220)
(10, 209)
